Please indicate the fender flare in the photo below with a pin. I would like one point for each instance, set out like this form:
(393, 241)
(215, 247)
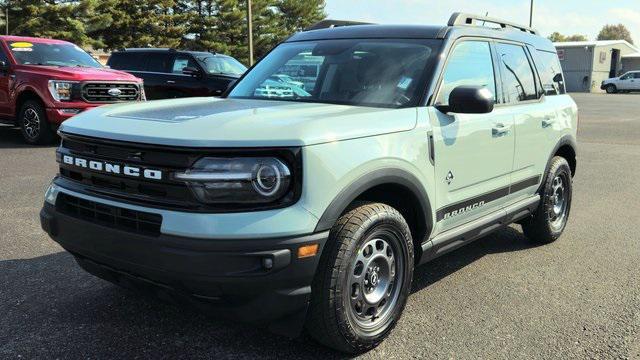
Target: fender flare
(22, 88)
(564, 140)
(393, 176)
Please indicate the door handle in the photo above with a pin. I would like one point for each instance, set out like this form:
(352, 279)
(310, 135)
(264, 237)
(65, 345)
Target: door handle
(547, 121)
(500, 129)
(170, 82)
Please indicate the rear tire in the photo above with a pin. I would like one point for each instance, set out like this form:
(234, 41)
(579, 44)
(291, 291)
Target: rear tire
(363, 279)
(34, 125)
(552, 215)
(611, 89)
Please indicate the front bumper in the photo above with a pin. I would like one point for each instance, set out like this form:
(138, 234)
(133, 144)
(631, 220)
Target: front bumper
(231, 278)
(59, 115)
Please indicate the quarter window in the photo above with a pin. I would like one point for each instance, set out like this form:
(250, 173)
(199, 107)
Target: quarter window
(470, 63)
(550, 73)
(517, 76)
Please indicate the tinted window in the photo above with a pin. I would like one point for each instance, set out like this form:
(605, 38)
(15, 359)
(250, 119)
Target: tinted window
(182, 61)
(133, 61)
(517, 77)
(470, 63)
(158, 62)
(364, 72)
(51, 54)
(550, 73)
(223, 65)
(636, 75)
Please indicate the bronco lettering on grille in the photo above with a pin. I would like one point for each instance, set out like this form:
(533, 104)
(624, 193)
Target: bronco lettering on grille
(112, 168)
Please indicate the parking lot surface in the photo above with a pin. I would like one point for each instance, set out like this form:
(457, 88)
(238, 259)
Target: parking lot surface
(500, 297)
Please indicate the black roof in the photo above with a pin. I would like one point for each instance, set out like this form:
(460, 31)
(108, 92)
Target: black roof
(370, 31)
(159, 50)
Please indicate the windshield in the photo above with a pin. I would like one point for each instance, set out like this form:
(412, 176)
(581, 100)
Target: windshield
(223, 65)
(27, 53)
(366, 72)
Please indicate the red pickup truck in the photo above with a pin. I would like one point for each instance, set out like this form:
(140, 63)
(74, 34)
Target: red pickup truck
(43, 82)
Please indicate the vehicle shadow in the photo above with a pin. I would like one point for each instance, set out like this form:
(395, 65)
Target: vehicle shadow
(507, 239)
(53, 309)
(11, 138)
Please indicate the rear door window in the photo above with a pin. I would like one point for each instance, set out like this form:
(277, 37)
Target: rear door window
(158, 62)
(518, 81)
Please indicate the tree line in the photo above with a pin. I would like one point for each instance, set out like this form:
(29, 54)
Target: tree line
(210, 25)
(608, 32)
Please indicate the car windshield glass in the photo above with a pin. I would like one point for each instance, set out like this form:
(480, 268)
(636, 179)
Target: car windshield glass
(27, 53)
(364, 72)
(223, 65)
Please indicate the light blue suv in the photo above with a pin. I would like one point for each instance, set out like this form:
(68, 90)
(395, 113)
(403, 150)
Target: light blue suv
(311, 208)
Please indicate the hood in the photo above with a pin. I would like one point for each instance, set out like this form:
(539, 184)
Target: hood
(212, 122)
(78, 73)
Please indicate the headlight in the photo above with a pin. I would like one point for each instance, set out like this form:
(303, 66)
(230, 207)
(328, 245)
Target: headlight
(248, 180)
(61, 90)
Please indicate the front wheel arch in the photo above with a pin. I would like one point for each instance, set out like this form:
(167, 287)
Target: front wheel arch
(23, 97)
(412, 202)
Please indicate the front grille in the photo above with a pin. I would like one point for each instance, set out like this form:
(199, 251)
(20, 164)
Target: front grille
(123, 219)
(99, 92)
(166, 193)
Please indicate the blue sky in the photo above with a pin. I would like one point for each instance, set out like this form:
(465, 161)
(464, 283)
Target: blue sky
(566, 16)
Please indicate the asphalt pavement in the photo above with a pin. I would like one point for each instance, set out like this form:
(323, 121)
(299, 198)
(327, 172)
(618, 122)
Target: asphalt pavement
(500, 297)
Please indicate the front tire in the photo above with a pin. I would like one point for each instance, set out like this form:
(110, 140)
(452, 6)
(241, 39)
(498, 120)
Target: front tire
(552, 215)
(34, 125)
(363, 279)
(611, 89)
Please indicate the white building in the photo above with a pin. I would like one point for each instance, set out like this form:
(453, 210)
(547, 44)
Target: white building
(587, 63)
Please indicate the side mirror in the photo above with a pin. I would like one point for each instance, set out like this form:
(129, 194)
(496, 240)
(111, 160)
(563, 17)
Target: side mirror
(469, 100)
(191, 71)
(557, 78)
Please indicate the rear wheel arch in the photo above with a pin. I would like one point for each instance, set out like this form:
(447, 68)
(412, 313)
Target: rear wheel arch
(566, 148)
(394, 187)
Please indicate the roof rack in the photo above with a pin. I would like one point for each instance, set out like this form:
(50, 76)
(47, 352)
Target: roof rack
(327, 24)
(471, 20)
(149, 49)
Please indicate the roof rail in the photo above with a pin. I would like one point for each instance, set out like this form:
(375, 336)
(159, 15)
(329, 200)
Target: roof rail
(149, 49)
(326, 24)
(470, 19)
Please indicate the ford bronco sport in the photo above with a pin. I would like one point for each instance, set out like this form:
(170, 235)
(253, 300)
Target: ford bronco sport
(310, 211)
(43, 82)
